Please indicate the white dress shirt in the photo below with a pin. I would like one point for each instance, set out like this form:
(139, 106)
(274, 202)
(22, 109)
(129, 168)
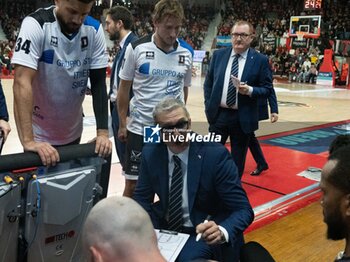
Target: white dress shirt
(241, 63)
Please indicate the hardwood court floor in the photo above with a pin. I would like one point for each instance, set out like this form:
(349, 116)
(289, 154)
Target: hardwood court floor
(299, 237)
(296, 237)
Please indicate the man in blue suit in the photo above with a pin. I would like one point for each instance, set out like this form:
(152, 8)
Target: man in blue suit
(210, 200)
(119, 21)
(4, 118)
(237, 77)
(254, 145)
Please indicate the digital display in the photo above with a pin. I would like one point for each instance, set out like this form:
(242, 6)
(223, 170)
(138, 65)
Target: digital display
(312, 4)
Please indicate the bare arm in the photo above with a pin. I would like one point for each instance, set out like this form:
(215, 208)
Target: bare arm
(185, 93)
(123, 106)
(23, 107)
(23, 103)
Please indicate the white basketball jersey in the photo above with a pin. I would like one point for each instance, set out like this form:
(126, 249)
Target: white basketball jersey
(62, 63)
(155, 75)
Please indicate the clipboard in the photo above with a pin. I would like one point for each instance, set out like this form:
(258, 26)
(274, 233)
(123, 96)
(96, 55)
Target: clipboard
(170, 243)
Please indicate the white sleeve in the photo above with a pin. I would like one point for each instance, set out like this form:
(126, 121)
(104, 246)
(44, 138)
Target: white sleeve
(99, 58)
(127, 70)
(188, 76)
(29, 44)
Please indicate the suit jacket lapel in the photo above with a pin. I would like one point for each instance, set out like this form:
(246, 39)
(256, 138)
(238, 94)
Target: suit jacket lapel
(122, 52)
(223, 64)
(163, 173)
(126, 43)
(249, 63)
(194, 171)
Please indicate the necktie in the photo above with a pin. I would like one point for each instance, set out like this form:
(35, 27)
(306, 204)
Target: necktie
(175, 197)
(231, 92)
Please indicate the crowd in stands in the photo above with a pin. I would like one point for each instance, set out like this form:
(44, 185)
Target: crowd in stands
(302, 66)
(270, 18)
(5, 57)
(11, 15)
(193, 31)
(194, 28)
(273, 17)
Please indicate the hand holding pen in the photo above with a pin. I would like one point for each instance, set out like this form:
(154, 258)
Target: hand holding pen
(242, 87)
(209, 231)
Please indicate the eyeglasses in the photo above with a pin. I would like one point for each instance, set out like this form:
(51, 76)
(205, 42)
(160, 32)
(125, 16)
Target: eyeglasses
(181, 124)
(243, 36)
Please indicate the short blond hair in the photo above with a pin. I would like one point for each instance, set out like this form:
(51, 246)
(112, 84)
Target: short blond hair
(166, 8)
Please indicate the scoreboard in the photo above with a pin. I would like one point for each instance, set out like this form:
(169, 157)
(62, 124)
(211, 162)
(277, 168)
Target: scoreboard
(312, 4)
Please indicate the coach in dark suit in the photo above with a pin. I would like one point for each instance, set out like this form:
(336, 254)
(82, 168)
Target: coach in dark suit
(119, 21)
(231, 107)
(254, 145)
(4, 116)
(210, 187)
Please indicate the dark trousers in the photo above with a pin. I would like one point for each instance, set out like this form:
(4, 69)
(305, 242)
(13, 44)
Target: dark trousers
(227, 125)
(119, 145)
(256, 151)
(104, 178)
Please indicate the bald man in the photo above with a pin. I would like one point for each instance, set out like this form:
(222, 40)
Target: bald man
(118, 229)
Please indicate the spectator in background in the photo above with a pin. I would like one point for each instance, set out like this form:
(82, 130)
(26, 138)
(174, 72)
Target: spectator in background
(307, 64)
(302, 74)
(311, 74)
(205, 63)
(292, 73)
(118, 229)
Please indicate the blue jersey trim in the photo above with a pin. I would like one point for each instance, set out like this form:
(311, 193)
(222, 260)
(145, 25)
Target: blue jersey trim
(144, 68)
(186, 45)
(47, 56)
(89, 21)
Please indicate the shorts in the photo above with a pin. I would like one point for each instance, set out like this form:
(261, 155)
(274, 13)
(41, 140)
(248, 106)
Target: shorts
(134, 145)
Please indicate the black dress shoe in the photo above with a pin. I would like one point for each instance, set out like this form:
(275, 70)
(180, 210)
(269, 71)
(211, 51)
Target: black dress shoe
(259, 170)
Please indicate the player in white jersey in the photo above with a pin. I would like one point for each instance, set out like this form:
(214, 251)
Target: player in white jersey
(56, 51)
(158, 65)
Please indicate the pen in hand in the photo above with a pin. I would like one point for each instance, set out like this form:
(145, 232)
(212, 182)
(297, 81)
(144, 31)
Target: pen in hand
(199, 235)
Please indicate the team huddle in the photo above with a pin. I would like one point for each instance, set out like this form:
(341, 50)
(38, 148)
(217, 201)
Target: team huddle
(61, 50)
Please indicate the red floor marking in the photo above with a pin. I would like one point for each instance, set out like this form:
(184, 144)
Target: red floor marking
(324, 154)
(278, 181)
(284, 165)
